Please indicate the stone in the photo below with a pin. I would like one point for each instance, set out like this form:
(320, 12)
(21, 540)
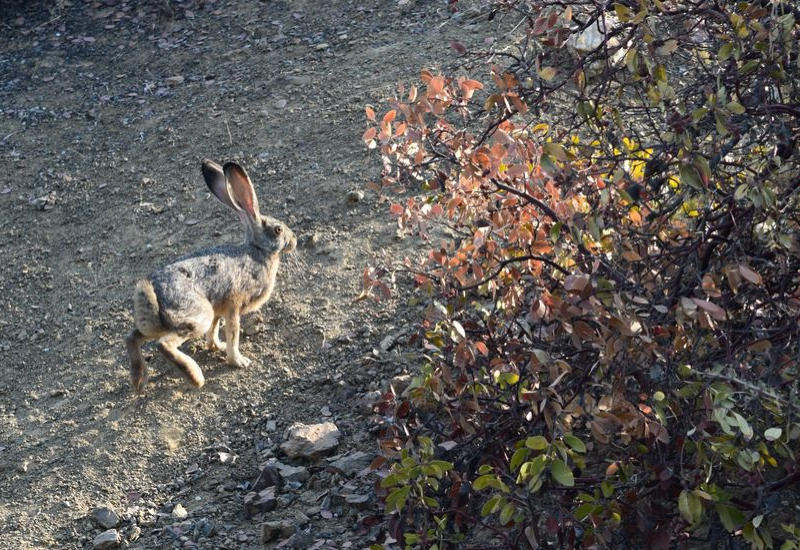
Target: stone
(355, 196)
(105, 517)
(359, 501)
(352, 463)
(271, 530)
(262, 501)
(366, 402)
(106, 539)
(269, 476)
(290, 473)
(179, 512)
(310, 440)
(400, 383)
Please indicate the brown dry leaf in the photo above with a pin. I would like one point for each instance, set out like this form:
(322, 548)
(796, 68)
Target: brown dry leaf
(749, 274)
(713, 309)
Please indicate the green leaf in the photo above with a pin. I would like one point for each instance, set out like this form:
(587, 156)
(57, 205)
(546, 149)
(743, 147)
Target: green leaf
(537, 443)
(749, 67)
(725, 51)
(607, 489)
(683, 506)
(771, 434)
(484, 481)
(575, 444)
(699, 114)
(492, 505)
(506, 513)
(519, 456)
(690, 177)
(736, 108)
(730, 516)
(561, 473)
(582, 511)
(623, 12)
(556, 151)
(744, 427)
(396, 499)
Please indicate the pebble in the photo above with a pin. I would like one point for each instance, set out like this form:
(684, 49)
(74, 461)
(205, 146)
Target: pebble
(355, 196)
(352, 463)
(106, 539)
(179, 512)
(321, 46)
(105, 517)
(310, 440)
(263, 501)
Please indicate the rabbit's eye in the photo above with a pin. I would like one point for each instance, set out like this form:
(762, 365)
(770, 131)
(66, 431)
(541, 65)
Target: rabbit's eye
(278, 229)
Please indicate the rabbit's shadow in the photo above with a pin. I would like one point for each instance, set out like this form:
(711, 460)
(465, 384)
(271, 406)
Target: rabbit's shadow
(164, 377)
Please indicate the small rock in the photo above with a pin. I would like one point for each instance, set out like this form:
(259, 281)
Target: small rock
(272, 530)
(310, 440)
(299, 80)
(400, 383)
(288, 472)
(105, 517)
(367, 401)
(106, 539)
(174, 80)
(263, 501)
(321, 46)
(179, 512)
(352, 463)
(359, 501)
(325, 411)
(272, 425)
(280, 104)
(204, 528)
(355, 196)
(268, 477)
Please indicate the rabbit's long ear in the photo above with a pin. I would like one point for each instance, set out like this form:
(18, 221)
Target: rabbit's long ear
(243, 193)
(215, 179)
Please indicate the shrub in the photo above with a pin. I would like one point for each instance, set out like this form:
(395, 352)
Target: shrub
(611, 287)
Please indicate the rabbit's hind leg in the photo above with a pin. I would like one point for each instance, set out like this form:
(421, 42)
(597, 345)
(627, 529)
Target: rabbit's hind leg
(168, 345)
(133, 343)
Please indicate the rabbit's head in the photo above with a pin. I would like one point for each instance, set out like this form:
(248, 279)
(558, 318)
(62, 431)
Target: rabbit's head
(233, 188)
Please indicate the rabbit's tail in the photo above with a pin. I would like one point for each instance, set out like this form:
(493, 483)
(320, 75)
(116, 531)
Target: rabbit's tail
(149, 325)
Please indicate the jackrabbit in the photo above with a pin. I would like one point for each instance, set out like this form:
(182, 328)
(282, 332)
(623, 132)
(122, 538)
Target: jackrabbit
(186, 298)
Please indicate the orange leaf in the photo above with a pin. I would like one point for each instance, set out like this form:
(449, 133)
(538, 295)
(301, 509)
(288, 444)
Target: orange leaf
(370, 113)
(388, 117)
(369, 135)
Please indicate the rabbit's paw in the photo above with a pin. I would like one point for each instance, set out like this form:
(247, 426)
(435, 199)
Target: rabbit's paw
(240, 361)
(216, 346)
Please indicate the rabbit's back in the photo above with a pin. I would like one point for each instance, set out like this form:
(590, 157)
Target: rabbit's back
(220, 275)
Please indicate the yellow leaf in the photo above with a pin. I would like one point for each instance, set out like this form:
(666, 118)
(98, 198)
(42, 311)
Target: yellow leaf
(547, 73)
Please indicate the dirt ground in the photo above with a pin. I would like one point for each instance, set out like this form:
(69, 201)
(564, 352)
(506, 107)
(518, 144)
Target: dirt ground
(106, 109)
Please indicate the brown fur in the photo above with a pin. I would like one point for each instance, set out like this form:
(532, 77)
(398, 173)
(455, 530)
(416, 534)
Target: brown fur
(187, 298)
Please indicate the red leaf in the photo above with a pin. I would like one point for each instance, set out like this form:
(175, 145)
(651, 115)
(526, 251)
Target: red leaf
(369, 135)
(388, 117)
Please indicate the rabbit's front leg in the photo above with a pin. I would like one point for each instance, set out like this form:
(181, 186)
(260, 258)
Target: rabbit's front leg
(213, 342)
(235, 358)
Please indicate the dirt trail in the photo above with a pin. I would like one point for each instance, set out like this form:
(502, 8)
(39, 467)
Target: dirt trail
(106, 110)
